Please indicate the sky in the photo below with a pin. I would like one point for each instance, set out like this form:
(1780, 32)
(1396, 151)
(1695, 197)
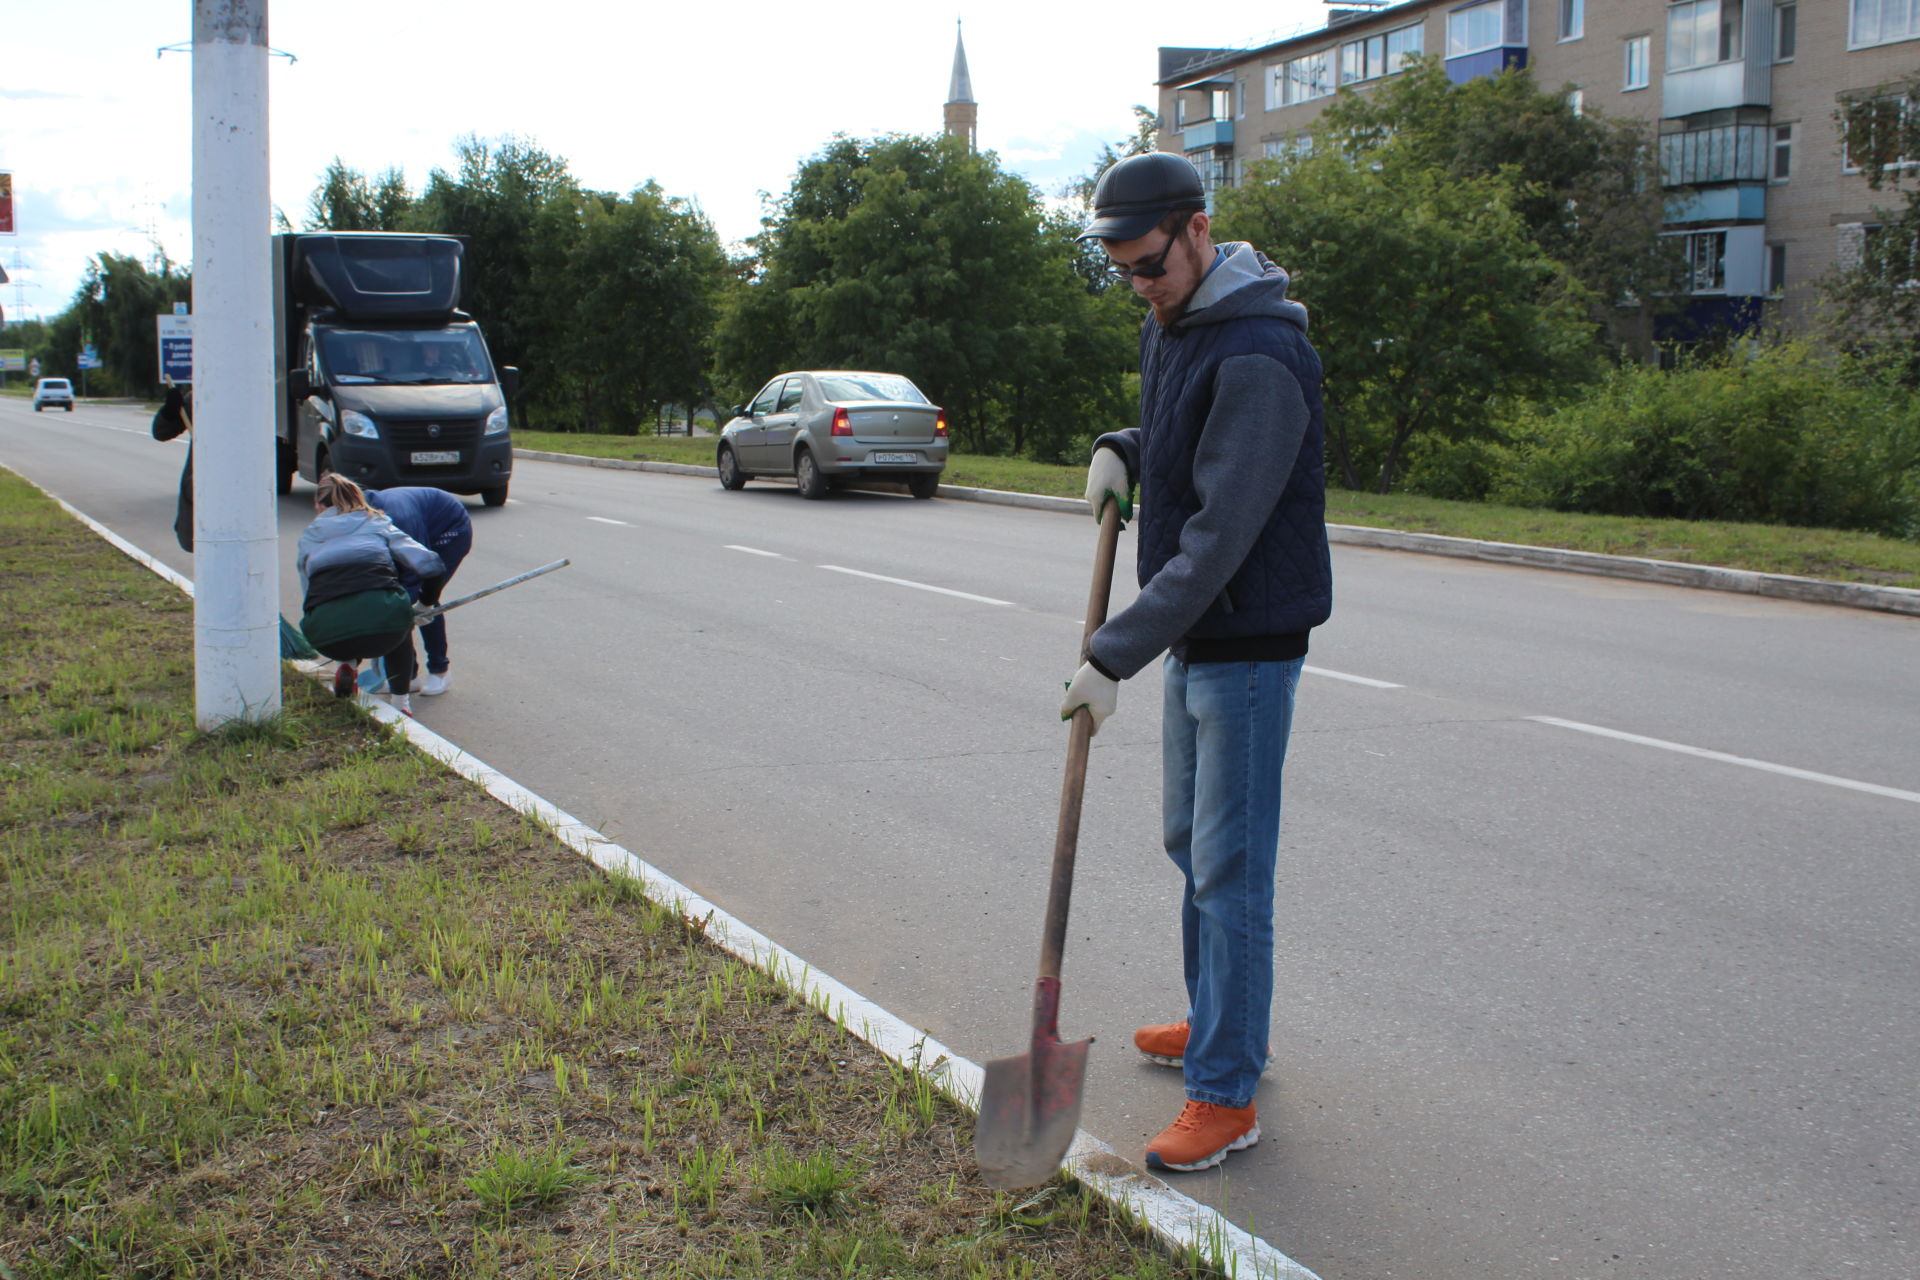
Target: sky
(717, 102)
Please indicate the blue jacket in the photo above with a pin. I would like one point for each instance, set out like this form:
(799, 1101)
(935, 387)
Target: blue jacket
(428, 516)
(1233, 558)
(343, 553)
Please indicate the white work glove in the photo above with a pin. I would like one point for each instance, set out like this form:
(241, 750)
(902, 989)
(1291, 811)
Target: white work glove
(1090, 689)
(1107, 479)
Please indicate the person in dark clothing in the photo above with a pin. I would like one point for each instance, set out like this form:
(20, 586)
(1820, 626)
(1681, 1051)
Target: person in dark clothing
(350, 562)
(174, 417)
(438, 521)
(1234, 573)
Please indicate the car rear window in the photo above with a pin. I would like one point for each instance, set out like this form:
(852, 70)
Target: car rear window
(57, 384)
(869, 386)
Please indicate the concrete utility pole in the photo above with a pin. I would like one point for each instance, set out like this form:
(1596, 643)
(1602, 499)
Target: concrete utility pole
(236, 556)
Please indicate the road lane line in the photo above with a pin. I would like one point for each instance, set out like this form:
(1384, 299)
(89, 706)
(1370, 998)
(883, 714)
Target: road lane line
(610, 520)
(919, 586)
(754, 551)
(1805, 775)
(1341, 675)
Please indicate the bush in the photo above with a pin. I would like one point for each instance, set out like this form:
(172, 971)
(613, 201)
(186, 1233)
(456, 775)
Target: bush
(1778, 435)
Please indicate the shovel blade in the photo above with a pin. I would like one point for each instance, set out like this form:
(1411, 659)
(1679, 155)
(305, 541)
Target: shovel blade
(1029, 1110)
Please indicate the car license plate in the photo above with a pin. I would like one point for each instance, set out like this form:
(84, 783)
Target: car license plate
(429, 459)
(895, 457)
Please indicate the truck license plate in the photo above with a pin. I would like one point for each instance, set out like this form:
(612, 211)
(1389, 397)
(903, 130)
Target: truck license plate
(429, 459)
(896, 457)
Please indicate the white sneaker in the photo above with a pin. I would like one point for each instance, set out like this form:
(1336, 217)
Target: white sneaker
(435, 684)
(403, 703)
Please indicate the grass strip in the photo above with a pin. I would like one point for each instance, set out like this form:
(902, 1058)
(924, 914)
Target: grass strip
(294, 1000)
(1833, 554)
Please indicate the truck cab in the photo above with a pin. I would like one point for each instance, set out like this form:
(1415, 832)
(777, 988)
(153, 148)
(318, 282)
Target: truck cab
(385, 380)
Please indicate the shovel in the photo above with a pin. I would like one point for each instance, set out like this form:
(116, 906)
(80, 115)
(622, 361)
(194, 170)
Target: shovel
(427, 613)
(1030, 1104)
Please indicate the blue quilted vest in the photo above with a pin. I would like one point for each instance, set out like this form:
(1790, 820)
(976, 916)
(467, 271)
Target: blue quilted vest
(1285, 585)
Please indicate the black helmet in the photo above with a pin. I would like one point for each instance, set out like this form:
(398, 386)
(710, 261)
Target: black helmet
(1137, 191)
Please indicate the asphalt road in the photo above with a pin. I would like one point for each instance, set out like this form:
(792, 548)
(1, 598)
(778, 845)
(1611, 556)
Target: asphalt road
(1549, 1003)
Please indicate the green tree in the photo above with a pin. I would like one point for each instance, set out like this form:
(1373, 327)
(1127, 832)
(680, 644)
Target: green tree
(628, 292)
(114, 308)
(1431, 304)
(1875, 303)
(916, 256)
(495, 199)
(1587, 188)
(347, 200)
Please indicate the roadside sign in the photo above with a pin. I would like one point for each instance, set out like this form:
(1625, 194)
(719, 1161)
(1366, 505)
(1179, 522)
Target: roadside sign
(179, 308)
(176, 348)
(33, 367)
(6, 203)
(13, 359)
(88, 361)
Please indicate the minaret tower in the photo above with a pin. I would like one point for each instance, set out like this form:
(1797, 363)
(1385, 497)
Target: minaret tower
(963, 113)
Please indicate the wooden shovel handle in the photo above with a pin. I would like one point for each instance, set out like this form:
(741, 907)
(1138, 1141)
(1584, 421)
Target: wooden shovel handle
(1066, 840)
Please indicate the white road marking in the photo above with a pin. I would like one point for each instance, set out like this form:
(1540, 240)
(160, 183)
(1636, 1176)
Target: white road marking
(919, 586)
(610, 520)
(1369, 681)
(755, 551)
(1806, 775)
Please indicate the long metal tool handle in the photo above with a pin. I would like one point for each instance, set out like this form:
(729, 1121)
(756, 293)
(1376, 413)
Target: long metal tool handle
(427, 615)
(1066, 840)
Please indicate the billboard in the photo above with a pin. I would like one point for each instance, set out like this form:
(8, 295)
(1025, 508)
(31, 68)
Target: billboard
(176, 348)
(6, 203)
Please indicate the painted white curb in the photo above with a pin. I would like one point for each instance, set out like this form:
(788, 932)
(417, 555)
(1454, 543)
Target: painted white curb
(1177, 1220)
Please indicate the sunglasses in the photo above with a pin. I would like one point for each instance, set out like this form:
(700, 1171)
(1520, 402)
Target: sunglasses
(1148, 268)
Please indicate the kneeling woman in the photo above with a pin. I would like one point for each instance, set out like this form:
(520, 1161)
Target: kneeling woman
(349, 561)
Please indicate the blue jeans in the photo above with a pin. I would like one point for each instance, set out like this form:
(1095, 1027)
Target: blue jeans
(452, 548)
(1224, 728)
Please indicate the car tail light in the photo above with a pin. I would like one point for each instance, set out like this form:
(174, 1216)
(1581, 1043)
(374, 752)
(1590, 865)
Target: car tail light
(940, 423)
(842, 424)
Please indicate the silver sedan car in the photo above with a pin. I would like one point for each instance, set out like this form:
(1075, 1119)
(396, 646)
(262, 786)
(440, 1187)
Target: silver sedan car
(827, 427)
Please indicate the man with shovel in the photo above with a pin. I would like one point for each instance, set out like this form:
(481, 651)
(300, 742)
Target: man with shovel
(1234, 574)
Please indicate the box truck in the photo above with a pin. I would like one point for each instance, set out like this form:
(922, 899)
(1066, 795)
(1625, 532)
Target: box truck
(380, 376)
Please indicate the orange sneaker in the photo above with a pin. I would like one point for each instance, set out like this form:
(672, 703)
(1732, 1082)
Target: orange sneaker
(1202, 1136)
(1164, 1043)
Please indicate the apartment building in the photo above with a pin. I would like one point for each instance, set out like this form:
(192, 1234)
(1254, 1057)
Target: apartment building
(1741, 92)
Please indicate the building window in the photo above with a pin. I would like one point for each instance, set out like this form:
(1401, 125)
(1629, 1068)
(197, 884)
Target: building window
(1785, 32)
(1891, 113)
(1216, 169)
(1638, 53)
(1404, 43)
(1381, 55)
(1721, 153)
(1782, 153)
(1707, 262)
(1179, 112)
(1577, 101)
(1573, 19)
(1776, 269)
(1475, 29)
(1239, 99)
(1883, 22)
(1703, 32)
(1222, 100)
(1301, 80)
(1300, 144)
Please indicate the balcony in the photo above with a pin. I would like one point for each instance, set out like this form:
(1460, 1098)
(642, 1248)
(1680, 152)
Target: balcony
(1726, 153)
(1742, 82)
(1200, 134)
(1743, 203)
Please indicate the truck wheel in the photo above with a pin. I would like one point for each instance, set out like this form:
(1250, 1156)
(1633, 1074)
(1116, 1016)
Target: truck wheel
(494, 497)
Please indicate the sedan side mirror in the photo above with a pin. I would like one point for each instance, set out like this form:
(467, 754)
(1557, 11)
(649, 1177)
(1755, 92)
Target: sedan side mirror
(509, 380)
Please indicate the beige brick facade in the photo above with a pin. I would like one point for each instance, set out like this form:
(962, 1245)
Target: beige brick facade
(1752, 121)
